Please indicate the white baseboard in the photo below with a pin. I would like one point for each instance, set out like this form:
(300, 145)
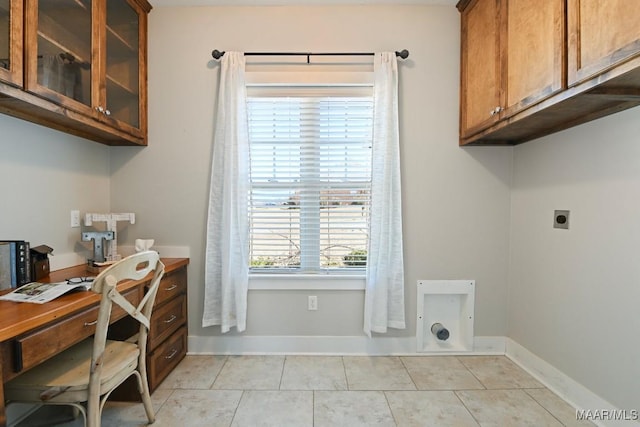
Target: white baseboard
(489, 345)
(327, 345)
(567, 388)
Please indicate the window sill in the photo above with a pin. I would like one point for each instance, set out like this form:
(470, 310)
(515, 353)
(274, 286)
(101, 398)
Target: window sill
(342, 282)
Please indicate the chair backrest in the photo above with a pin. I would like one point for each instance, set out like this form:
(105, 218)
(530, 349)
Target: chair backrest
(134, 267)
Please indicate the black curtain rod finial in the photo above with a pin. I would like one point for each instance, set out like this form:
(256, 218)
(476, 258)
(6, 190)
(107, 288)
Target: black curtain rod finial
(404, 54)
(217, 54)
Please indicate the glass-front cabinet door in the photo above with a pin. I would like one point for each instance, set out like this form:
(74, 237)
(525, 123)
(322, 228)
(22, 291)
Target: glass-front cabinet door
(90, 56)
(60, 52)
(125, 52)
(11, 41)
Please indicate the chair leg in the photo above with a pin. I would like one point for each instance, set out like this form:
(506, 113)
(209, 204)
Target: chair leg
(143, 388)
(93, 411)
(81, 409)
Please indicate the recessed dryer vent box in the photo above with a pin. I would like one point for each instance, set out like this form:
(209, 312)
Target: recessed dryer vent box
(445, 315)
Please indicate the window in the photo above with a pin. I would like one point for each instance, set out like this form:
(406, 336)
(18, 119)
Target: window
(310, 181)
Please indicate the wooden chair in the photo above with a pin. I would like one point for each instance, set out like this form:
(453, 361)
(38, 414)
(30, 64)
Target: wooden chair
(89, 371)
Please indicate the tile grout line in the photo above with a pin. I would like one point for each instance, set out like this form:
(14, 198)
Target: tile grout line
(409, 374)
(346, 377)
(455, 393)
(226, 358)
(313, 407)
(155, 412)
(542, 406)
(284, 362)
(386, 398)
(471, 372)
(235, 412)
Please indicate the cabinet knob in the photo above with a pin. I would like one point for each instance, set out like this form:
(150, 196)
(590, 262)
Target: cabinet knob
(100, 109)
(107, 112)
(495, 111)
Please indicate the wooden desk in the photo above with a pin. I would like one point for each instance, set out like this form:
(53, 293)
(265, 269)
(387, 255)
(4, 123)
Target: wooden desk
(58, 324)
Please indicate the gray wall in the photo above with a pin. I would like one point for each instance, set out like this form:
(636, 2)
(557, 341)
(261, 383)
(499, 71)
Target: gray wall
(455, 201)
(44, 174)
(573, 295)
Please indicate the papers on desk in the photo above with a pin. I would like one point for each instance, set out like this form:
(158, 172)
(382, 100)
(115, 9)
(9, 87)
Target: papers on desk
(39, 293)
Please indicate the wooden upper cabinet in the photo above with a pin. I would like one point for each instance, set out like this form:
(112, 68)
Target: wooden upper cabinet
(512, 57)
(602, 35)
(480, 66)
(11, 41)
(533, 55)
(89, 56)
(560, 63)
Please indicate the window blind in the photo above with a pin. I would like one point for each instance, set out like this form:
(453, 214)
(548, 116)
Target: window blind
(310, 182)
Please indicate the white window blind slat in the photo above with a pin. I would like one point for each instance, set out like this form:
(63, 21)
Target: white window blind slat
(311, 180)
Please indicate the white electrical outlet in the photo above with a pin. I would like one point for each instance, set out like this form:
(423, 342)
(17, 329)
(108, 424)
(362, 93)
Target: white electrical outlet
(75, 219)
(312, 302)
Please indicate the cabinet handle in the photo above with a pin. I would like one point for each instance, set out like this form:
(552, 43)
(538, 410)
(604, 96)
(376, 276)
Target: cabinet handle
(107, 112)
(91, 323)
(170, 288)
(100, 109)
(173, 353)
(171, 319)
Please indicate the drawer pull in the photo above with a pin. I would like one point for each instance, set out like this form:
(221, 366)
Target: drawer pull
(170, 288)
(171, 319)
(91, 323)
(173, 353)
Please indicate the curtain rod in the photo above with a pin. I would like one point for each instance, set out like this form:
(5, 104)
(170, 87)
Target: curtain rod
(404, 54)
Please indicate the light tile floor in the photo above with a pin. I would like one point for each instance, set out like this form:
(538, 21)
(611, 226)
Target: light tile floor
(347, 391)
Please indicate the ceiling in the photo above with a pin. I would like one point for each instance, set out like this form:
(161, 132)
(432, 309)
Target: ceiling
(161, 3)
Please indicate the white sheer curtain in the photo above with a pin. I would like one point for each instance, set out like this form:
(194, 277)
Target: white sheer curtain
(226, 262)
(384, 293)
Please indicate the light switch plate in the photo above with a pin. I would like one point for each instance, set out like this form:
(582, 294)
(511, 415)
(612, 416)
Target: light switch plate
(75, 219)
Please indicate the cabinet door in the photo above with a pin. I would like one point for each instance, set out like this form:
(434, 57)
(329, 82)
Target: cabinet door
(480, 66)
(125, 71)
(534, 52)
(59, 52)
(602, 34)
(11, 41)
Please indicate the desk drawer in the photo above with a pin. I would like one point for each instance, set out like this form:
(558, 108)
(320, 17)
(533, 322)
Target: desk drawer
(171, 285)
(166, 319)
(163, 359)
(36, 347)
